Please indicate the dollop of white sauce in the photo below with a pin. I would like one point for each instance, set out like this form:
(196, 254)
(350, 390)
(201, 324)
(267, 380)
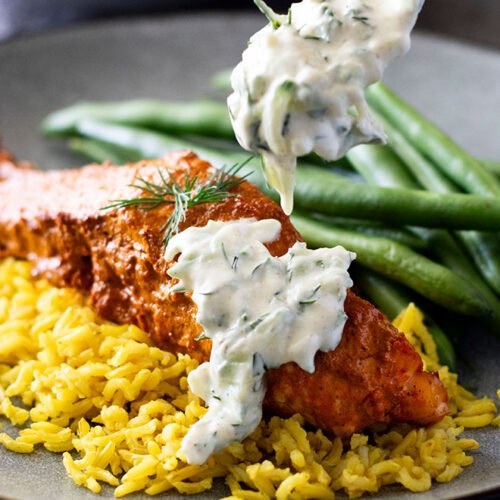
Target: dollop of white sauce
(299, 86)
(260, 312)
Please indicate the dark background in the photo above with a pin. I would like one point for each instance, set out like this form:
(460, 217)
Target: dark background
(473, 20)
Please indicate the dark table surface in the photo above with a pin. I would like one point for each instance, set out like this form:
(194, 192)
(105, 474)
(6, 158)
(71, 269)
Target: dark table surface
(477, 21)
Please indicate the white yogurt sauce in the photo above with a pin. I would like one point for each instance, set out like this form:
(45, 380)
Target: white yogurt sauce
(260, 312)
(299, 86)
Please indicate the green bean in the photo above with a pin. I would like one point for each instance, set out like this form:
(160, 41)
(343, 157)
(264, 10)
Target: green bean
(424, 173)
(493, 166)
(339, 170)
(381, 166)
(324, 192)
(147, 143)
(205, 122)
(391, 299)
(151, 144)
(211, 142)
(484, 248)
(101, 152)
(374, 228)
(445, 249)
(316, 190)
(400, 263)
(315, 159)
(386, 295)
(481, 246)
(448, 156)
(209, 118)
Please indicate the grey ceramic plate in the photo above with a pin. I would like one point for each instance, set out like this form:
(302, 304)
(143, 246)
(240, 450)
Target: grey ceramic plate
(456, 85)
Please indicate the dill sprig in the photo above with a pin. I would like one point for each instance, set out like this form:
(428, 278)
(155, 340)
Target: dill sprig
(275, 19)
(184, 195)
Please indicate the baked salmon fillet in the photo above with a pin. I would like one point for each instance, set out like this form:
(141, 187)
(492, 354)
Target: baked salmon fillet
(55, 220)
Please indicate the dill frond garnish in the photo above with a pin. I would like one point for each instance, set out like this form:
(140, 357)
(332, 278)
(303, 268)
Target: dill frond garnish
(184, 195)
(275, 19)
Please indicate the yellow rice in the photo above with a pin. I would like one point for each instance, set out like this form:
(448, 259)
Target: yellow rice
(117, 408)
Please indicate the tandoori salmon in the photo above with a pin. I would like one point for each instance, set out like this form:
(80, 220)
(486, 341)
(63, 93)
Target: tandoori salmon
(56, 220)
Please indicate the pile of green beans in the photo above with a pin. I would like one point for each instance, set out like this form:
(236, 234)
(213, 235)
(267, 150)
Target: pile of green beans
(483, 248)
(198, 117)
(422, 215)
